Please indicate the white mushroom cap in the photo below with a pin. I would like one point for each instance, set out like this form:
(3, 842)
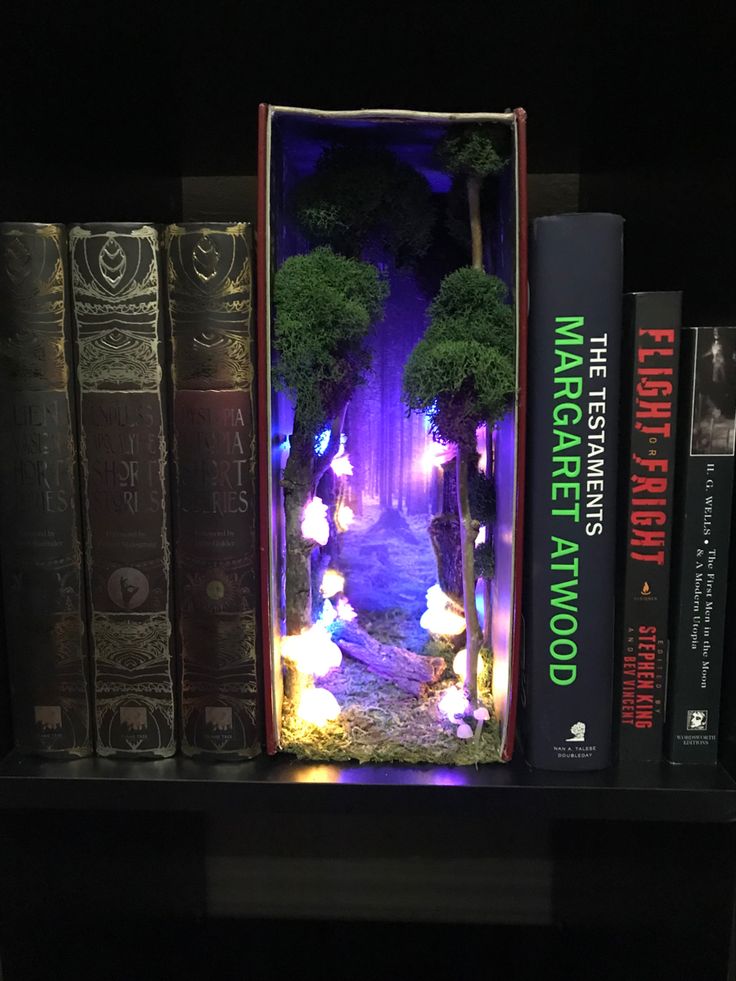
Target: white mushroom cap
(464, 731)
(482, 714)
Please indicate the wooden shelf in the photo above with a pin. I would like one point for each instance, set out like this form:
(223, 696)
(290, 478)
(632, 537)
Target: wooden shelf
(649, 793)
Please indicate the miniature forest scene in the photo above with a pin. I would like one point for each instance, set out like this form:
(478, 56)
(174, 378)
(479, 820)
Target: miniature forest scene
(394, 378)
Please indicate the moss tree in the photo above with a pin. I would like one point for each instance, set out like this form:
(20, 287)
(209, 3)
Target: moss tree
(473, 153)
(461, 373)
(325, 306)
(362, 196)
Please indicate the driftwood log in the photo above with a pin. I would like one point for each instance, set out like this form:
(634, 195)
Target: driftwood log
(408, 671)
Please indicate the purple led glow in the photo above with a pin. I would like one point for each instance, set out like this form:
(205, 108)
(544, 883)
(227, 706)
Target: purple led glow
(380, 434)
(504, 454)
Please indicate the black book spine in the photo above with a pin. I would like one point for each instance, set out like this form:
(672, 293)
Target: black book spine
(210, 318)
(116, 283)
(40, 509)
(574, 380)
(652, 326)
(702, 531)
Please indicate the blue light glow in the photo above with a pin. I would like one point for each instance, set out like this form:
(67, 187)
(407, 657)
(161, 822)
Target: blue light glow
(323, 441)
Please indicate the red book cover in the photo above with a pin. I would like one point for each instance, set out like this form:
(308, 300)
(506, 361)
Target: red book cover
(209, 288)
(653, 338)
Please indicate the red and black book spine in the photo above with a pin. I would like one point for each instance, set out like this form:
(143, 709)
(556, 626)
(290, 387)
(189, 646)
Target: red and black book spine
(210, 317)
(116, 283)
(572, 432)
(43, 596)
(701, 541)
(652, 330)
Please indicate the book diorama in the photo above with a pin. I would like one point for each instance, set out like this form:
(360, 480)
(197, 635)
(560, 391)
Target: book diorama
(392, 305)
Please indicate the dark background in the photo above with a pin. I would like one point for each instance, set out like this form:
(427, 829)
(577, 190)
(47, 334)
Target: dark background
(107, 106)
(126, 110)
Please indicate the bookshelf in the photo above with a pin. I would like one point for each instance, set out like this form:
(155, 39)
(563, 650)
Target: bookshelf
(701, 795)
(626, 113)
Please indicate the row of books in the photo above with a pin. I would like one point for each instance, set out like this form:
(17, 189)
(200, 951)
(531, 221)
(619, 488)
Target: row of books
(130, 592)
(128, 424)
(630, 479)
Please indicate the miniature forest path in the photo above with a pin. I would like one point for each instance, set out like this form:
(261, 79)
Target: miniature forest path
(388, 573)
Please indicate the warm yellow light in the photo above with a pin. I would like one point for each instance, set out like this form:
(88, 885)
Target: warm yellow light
(460, 663)
(333, 582)
(312, 652)
(344, 517)
(317, 706)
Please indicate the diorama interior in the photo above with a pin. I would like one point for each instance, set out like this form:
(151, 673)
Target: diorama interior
(392, 264)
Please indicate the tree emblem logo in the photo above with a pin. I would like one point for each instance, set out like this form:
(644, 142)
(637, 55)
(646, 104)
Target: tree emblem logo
(578, 733)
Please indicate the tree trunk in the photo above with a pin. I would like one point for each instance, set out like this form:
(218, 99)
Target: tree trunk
(410, 672)
(476, 227)
(297, 487)
(333, 447)
(444, 533)
(468, 534)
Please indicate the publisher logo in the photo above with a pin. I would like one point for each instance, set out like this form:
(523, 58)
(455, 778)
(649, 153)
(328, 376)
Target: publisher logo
(578, 733)
(134, 724)
(127, 588)
(697, 720)
(219, 724)
(48, 717)
(646, 593)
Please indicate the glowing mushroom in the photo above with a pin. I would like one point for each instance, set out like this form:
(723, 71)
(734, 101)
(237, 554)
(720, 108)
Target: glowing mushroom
(464, 731)
(481, 715)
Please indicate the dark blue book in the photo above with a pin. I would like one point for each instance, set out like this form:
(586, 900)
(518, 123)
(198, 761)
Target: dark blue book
(574, 393)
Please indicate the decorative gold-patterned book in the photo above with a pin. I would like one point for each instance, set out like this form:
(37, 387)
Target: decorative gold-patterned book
(116, 283)
(39, 509)
(208, 269)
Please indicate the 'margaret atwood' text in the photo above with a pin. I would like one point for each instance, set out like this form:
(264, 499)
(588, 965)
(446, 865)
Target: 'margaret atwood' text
(578, 479)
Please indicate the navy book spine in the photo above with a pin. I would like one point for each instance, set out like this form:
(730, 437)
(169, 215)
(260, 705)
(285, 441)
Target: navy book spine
(574, 389)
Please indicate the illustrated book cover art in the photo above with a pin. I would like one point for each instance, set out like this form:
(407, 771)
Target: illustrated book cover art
(116, 283)
(392, 313)
(701, 542)
(40, 513)
(210, 323)
(570, 584)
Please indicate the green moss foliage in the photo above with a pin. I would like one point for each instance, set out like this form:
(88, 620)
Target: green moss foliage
(462, 371)
(362, 195)
(325, 306)
(475, 150)
(381, 724)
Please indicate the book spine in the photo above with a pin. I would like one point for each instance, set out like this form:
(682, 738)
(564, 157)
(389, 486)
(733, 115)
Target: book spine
(123, 449)
(653, 323)
(39, 512)
(574, 378)
(210, 317)
(703, 514)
